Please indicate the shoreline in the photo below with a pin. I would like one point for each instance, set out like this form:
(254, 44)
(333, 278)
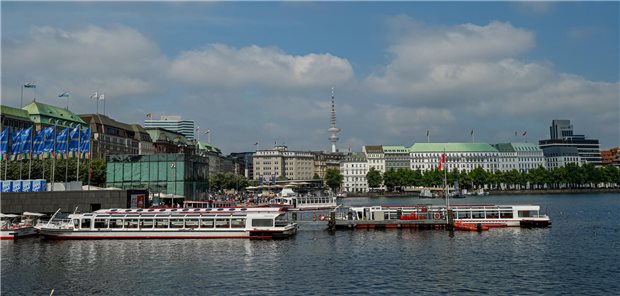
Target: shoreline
(495, 192)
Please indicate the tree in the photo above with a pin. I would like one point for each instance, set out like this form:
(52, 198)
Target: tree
(374, 178)
(222, 181)
(390, 179)
(333, 179)
(316, 177)
(479, 176)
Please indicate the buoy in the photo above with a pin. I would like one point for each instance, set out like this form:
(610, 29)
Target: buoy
(436, 216)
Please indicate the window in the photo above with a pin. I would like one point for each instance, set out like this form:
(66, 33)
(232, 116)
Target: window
(222, 223)
(85, 223)
(206, 223)
(262, 222)
(237, 223)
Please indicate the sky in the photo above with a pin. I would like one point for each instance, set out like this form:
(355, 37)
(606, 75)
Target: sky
(263, 71)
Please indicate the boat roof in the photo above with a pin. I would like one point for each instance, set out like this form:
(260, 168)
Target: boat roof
(8, 215)
(33, 214)
(190, 210)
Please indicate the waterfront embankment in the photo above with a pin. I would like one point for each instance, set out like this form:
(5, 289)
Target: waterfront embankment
(496, 192)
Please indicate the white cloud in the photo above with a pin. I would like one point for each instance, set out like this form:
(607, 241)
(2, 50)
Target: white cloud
(222, 66)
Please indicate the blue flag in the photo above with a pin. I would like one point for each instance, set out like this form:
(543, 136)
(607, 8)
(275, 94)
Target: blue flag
(37, 146)
(74, 139)
(26, 142)
(4, 143)
(61, 144)
(48, 145)
(85, 143)
(15, 144)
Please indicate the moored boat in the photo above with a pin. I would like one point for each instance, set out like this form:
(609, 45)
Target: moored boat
(18, 226)
(294, 202)
(173, 223)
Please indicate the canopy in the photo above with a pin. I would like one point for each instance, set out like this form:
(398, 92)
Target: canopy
(33, 214)
(8, 215)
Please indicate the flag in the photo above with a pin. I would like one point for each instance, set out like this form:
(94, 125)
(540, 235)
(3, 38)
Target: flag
(149, 115)
(256, 144)
(30, 85)
(15, 144)
(61, 144)
(4, 143)
(524, 133)
(64, 95)
(515, 134)
(273, 179)
(427, 133)
(442, 161)
(26, 142)
(85, 144)
(74, 139)
(101, 97)
(260, 180)
(37, 147)
(48, 145)
(95, 96)
(471, 133)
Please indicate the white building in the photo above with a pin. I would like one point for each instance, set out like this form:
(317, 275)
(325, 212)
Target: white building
(556, 157)
(522, 157)
(462, 156)
(354, 168)
(375, 157)
(175, 124)
(294, 165)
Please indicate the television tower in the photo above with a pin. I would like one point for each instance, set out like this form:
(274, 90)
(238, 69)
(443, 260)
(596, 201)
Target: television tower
(333, 130)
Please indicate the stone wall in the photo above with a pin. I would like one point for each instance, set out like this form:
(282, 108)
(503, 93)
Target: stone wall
(50, 201)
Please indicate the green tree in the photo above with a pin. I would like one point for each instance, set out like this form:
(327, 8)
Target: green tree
(374, 178)
(333, 179)
(390, 179)
(479, 176)
(512, 177)
(316, 177)
(433, 178)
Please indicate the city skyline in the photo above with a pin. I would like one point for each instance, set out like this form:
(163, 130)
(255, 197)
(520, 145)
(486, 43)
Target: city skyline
(263, 72)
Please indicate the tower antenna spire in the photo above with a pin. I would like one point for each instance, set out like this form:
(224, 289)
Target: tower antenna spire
(333, 130)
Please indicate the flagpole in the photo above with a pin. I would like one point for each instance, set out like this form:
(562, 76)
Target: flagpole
(52, 177)
(42, 153)
(30, 153)
(66, 159)
(77, 156)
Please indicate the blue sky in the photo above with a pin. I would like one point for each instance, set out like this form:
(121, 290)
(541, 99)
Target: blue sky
(263, 71)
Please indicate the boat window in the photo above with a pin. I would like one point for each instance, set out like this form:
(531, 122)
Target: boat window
(191, 223)
(85, 223)
(477, 214)
(140, 210)
(147, 223)
(206, 223)
(185, 210)
(525, 214)
(219, 210)
(262, 222)
(127, 211)
(176, 223)
(231, 209)
(505, 214)
(76, 223)
(237, 223)
(463, 215)
(116, 223)
(151, 210)
(222, 223)
(492, 214)
(161, 223)
(113, 210)
(131, 223)
(101, 223)
(244, 209)
(196, 210)
(162, 210)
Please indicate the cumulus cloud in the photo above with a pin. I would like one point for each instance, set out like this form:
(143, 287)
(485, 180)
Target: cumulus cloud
(223, 66)
(474, 71)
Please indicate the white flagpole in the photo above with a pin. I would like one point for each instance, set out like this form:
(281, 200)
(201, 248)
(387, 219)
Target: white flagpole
(77, 155)
(30, 153)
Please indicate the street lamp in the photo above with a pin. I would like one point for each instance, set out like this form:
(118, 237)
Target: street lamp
(173, 167)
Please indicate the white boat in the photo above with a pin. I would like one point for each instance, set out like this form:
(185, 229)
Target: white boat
(211, 203)
(305, 203)
(173, 223)
(485, 215)
(18, 226)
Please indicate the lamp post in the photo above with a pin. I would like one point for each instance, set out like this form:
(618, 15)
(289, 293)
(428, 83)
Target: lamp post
(173, 167)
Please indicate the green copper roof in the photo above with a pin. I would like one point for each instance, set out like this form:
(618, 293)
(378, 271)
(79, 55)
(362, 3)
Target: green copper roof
(452, 147)
(14, 113)
(207, 146)
(48, 114)
(395, 149)
(512, 147)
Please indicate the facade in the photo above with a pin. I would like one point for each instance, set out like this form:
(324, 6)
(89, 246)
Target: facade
(396, 157)
(44, 115)
(215, 157)
(165, 141)
(244, 162)
(14, 118)
(294, 165)
(556, 157)
(324, 161)
(354, 168)
(611, 157)
(145, 144)
(561, 132)
(110, 137)
(462, 156)
(180, 174)
(519, 156)
(173, 123)
(375, 157)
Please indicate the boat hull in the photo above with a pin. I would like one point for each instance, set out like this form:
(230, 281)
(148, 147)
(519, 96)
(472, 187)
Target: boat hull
(167, 234)
(17, 233)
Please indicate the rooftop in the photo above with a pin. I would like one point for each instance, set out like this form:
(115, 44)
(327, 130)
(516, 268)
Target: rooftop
(452, 147)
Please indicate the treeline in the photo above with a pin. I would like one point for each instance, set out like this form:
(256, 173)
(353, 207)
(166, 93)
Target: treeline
(64, 169)
(570, 176)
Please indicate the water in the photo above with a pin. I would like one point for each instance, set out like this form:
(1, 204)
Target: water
(579, 254)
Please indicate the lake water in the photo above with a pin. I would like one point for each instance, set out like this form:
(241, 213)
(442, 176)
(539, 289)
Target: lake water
(579, 254)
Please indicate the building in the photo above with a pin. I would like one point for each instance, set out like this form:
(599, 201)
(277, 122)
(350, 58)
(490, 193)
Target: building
(183, 175)
(354, 168)
(280, 162)
(166, 141)
(375, 157)
(44, 115)
(519, 156)
(324, 161)
(175, 124)
(110, 136)
(14, 119)
(462, 156)
(396, 157)
(214, 155)
(245, 164)
(145, 144)
(560, 156)
(561, 133)
(611, 156)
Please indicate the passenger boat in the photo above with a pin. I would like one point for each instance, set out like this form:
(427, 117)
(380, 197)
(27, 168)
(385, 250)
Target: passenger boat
(430, 216)
(173, 223)
(305, 203)
(18, 226)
